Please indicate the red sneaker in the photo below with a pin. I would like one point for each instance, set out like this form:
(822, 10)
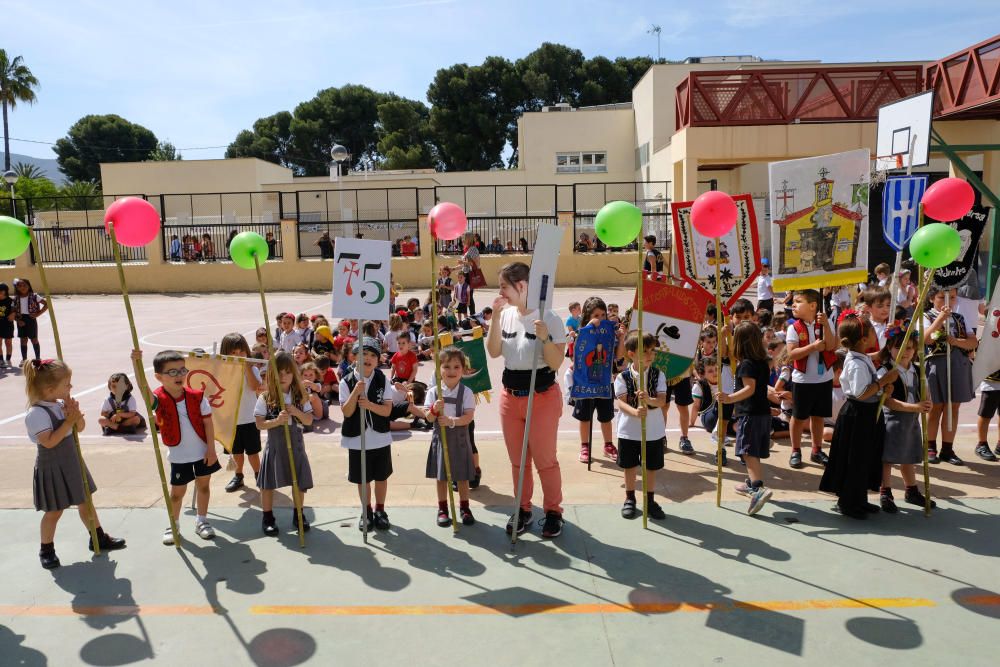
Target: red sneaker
(584, 453)
(610, 451)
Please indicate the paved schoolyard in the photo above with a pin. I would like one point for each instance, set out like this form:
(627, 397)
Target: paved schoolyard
(707, 585)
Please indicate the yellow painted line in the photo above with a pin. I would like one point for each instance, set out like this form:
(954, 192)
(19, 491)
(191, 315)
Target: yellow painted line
(597, 608)
(108, 610)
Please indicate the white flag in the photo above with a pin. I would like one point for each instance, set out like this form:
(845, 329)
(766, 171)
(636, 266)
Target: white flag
(988, 354)
(361, 277)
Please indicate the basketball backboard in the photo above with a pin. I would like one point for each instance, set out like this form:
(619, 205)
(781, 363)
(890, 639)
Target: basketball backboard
(899, 124)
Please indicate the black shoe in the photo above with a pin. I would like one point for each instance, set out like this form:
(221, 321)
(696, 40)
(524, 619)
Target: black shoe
(552, 527)
(796, 460)
(371, 521)
(106, 542)
(725, 459)
(949, 456)
(235, 484)
(49, 559)
(628, 509)
(474, 482)
(382, 520)
(655, 511)
(932, 456)
(914, 497)
(443, 519)
(851, 513)
(872, 508)
(820, 457)
(295, 520)
(106, 431)
(269, 526)
(467, 518)
(307, 429)
(523, 522)
(983, 452)
(887, 503)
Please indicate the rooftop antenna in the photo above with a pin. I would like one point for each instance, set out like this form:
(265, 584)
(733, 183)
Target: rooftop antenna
(656, 30)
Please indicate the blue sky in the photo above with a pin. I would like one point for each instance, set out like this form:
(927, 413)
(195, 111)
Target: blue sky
(196, 73)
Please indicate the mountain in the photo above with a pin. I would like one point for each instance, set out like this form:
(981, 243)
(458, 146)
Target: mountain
(49, 167)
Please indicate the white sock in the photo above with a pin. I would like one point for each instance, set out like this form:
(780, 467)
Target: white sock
(201, 518)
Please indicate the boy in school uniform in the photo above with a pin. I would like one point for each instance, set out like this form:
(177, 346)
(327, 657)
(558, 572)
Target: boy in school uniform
(811, 348)
(288, 336)
(184, 420)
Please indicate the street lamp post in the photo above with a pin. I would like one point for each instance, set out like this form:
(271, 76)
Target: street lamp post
(11, 178)
(339, 154)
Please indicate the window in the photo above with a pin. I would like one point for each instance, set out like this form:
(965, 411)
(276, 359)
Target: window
(574, 163)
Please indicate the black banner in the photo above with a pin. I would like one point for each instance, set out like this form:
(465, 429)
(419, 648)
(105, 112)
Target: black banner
(970, 228)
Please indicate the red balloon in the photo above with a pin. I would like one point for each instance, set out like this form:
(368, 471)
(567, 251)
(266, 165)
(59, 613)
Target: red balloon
(136, 221)
(948, 199)
(447, 221)
(714, 214)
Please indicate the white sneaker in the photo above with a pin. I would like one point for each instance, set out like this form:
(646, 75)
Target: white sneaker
(168, 537)
(758, 498)
(204, 530)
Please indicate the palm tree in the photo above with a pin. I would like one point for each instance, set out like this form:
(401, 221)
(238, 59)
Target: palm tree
(16, 84)
(29, 171)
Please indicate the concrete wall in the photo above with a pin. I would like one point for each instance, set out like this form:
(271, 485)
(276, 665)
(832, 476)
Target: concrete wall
(235, 175)
(583, 270)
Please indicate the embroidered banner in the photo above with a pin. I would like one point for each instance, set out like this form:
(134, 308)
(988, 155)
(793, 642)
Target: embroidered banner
(593, 357)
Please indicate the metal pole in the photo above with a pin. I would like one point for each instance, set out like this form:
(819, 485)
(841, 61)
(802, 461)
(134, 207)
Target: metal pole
(527, 417)
(364, 427)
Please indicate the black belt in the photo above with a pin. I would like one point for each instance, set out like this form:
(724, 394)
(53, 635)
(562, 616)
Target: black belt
(518, 382)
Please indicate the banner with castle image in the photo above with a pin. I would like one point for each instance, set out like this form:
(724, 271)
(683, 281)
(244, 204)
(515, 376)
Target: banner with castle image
(819, 207)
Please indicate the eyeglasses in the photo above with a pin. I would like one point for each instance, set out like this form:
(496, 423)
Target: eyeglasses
(176, 372)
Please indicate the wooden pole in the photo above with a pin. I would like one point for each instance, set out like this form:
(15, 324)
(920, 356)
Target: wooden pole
(640, 352)
(87, 494)
(140, 376)
(275, 385)
(921, 375)
(947, 328)
(720, 422)
(436, 346)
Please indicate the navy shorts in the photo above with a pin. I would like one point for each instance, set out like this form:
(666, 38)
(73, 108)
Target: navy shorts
(630, 453)
(182, 474)
(583, 409)
(247, 439)
(681, 392)
(753, 436)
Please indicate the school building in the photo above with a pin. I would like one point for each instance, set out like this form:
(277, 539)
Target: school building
(706, 123)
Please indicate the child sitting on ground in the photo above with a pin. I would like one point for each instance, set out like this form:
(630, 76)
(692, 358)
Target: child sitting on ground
(119, 413)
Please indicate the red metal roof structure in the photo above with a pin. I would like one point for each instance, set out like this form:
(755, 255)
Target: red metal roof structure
(967, 83)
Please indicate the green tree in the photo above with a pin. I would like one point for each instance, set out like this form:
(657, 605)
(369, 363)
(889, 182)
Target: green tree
(551, 74)
(82, 196)
(17, 84)
(404, 134)
(37, 190)
(473, 110)
(25, 170)
(347, 115)
(164, 152)
(270, 139)
(96, 139)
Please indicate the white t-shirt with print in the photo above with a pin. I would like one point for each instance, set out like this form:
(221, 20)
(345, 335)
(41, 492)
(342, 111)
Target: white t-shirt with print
(191, 448)
(812, 374)
(630, 427)
(518, 350)
(373, 439)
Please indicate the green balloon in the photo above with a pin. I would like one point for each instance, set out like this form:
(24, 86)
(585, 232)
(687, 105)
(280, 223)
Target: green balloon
(935, 245)
(14, 238)
(618, 223)
(245, 246)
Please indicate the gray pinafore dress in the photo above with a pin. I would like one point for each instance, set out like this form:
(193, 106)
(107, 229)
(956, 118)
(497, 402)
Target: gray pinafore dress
(904, 442)
(275, 470)
(459, 445)
(58, 483)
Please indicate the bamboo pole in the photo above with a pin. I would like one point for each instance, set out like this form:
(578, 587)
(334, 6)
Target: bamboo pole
(640, 352)
(436, 346)
(720, 422)
(921, 375)
(87, 494)
(140, 376)
(275, 385)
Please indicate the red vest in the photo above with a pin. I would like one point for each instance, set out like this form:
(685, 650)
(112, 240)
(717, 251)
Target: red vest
(829, 356)
(167, 420)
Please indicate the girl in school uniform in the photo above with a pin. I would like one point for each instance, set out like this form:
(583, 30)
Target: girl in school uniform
(272, 412)
(58, 482)
(29, 307)
(904, 442)
(454, 412)
(855, 464)
(941, 328)
(246, 442)
(525, 338)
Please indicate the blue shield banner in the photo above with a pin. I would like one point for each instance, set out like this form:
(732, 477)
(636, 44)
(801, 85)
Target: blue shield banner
(593, 357)
(900, 216)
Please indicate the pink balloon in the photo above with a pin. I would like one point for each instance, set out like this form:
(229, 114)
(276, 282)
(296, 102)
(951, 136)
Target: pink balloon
(948, 199)
(136, 221)
(714, 214)
(447, 221)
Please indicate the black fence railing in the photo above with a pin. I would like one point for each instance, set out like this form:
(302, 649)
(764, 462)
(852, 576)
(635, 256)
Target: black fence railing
(210, 243)
(316, 239)
(652, 198)
(500, 234)
(499, 201)
(81, 245)
(368, 205)
(220, 208)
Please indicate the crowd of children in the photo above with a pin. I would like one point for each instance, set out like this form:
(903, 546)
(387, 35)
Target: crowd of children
(817, 367)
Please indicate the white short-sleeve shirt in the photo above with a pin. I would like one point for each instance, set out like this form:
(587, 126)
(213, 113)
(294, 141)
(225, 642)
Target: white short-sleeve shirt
(518, 350)
(260, 405)
(191, 448)
(858, 373)
(373, 439)
(249, 398)
(764, 287)
(812, 374)
(37, 420)
(468, 401)
(130, 405)
(630, 427)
